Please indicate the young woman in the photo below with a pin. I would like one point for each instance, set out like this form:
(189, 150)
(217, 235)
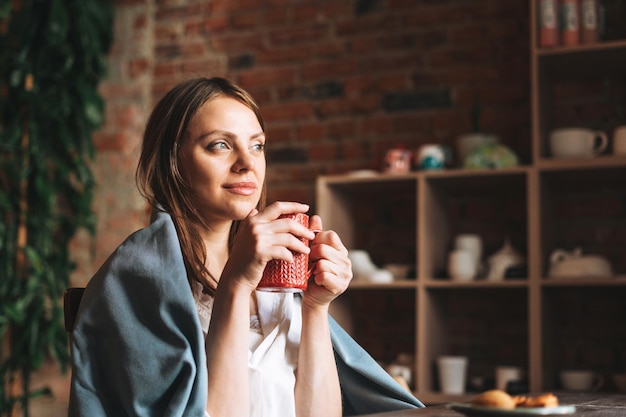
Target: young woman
(172, 324)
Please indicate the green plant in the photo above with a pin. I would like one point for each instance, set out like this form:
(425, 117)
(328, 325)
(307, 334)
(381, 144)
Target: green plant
(52, 57)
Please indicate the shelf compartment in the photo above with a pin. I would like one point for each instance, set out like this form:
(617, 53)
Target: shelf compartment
(492, 206)
(585, 59)
(488, 325)
(586, 209)
(579, 87)
(583, 329)
(374, 214)
(382, 321)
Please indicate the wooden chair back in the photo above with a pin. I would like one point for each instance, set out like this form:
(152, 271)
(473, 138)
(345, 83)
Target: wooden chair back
(71, 301)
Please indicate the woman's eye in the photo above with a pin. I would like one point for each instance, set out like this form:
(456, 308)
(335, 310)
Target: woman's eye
(258, 147)
(217, 146)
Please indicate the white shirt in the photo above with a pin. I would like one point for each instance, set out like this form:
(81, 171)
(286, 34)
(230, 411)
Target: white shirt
(273, 350)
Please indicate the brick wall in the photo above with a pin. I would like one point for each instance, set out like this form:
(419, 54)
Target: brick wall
(339, 82)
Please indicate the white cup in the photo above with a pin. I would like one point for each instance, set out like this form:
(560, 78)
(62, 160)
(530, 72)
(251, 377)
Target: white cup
(452, 374)
(581, 380)
(462, 265)
(470, 242)
(619, 140)
(574, 142)
(506, 374)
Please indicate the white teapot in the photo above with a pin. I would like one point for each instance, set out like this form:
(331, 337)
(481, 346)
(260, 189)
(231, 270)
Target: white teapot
(564, 264)
(503, 259)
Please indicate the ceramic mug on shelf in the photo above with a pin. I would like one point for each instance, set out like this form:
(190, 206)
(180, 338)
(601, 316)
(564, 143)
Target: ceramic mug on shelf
(452, 374)
(572, 142)
(472, 243)
(430, 156)
(581, 380)
(462, 265)
(506, 375)
(619, 140)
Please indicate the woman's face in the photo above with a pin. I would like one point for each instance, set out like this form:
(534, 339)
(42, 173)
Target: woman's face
(222, 157)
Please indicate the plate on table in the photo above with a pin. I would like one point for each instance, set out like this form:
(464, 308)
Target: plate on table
(475, 410)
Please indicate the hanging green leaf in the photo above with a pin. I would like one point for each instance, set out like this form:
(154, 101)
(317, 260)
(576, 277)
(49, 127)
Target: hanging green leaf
(52, 57)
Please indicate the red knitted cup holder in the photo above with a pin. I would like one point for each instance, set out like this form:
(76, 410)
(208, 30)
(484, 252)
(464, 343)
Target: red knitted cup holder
(283, 276)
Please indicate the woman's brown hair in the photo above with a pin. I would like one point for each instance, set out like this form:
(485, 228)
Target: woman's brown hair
(158, 173)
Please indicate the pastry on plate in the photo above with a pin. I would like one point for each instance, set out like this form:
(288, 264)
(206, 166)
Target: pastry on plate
(543, 400)
(494, 398)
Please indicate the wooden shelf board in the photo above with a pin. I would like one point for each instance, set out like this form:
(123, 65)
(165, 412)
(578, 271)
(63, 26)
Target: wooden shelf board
(603, 161)
(582, 49)
(361, 285)
(441, 283)
(618, 280)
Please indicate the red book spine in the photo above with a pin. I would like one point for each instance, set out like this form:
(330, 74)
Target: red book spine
(589, 20)
(548, 23)
(571, 22)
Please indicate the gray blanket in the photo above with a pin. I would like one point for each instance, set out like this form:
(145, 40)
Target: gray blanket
(138, 348)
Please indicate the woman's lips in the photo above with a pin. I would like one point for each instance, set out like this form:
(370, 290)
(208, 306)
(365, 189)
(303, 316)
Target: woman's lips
(241, 188)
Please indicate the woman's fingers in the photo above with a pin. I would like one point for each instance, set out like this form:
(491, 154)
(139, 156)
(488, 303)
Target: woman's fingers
(277, 208)
(330, 266)
(315, 223)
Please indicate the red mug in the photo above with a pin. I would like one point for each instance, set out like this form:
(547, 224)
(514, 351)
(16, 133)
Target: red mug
(283, 276)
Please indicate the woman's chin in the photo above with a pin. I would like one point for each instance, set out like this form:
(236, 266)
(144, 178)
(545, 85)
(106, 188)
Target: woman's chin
(241, 211)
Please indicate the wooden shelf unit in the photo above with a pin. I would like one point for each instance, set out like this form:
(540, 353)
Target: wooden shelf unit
(542, 324)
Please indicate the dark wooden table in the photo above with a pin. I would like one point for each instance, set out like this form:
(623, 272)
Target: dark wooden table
(587, 405)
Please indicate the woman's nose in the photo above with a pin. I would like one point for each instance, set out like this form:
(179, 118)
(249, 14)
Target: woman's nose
(245, 162)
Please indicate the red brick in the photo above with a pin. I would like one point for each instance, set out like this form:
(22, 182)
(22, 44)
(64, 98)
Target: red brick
(358, 84)
(181, 12)
(363, 44)
(107, 143)
(376, 125)
(325, 151)
(329, 70)
(303, 34)
(166, 70)
(340, 129)
(278, 133)
(329, 49)
(236, 42)
(354, 150)
(266, 76)
(288, 111)
(220, 6)
(334, 108)
(214, 24)
(310, 131)
(245, 20)
(205, 67)
(138, 67)
(274, 16)
(284, 55)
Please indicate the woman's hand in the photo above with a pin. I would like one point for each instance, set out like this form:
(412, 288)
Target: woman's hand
(331, 267)
(262, 236)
